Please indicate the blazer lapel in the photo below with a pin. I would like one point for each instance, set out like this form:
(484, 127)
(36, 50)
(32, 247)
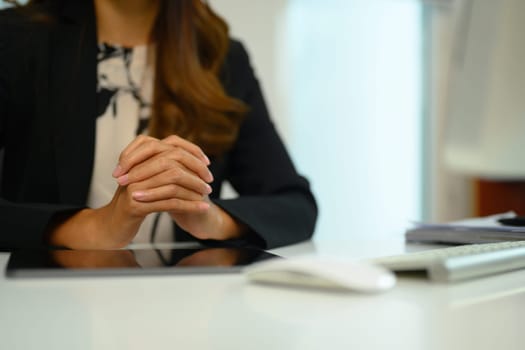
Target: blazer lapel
(73, 84)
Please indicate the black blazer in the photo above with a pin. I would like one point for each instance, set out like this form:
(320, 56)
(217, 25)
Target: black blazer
(47, 130)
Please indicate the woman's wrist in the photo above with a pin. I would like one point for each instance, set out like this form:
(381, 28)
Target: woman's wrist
(100, 228)
(226, 225)
(116, 228)
(72, 231)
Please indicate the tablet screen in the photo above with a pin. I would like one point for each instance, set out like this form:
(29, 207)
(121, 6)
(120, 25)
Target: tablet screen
(57, 263)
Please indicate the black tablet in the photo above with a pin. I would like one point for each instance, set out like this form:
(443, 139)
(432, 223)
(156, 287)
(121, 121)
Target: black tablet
(73, 263)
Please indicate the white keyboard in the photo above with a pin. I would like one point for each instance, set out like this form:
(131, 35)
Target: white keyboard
(460, 262)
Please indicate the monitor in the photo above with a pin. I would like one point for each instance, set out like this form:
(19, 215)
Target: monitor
(485, 124)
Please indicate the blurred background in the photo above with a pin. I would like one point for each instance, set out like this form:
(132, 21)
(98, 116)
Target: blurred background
(389, 107)
(396, 110)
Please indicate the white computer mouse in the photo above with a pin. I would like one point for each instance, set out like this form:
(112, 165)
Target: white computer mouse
(322, 272)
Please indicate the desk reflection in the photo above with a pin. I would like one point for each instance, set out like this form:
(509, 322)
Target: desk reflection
(152, 261)
(206, 257)
(151, 258)
(212, 257)
(93, 258)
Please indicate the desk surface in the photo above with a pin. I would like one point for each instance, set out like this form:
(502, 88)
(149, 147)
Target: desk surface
(224, 312)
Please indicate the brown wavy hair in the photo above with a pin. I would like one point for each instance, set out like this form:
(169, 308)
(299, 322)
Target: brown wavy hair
(189, 100)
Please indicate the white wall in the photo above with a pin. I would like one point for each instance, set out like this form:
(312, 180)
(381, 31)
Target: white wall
(343, 80)
(260, 26)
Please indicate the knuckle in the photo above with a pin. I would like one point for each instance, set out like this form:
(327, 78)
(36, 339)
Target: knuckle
(176, 154)
(175, 175)
(143, 138)
(174, 204)
(150, 145)
(122, 157)
(172, 138)
(198, 149)
(173, 189)
(194, 196)
(164, 163)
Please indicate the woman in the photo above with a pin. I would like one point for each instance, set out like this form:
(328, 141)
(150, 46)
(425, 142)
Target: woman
(82, 83)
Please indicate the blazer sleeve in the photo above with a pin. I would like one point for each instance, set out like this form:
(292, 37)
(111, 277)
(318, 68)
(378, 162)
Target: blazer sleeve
(21, 224)
(3, 83)
(274, 201)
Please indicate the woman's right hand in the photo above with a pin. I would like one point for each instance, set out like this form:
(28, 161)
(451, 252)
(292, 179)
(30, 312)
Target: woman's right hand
(173, 169)
(172, 173)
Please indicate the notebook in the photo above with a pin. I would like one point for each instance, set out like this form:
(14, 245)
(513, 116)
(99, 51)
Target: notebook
(488, 229)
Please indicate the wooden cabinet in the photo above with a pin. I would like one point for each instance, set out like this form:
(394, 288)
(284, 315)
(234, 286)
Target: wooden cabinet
(493, 197)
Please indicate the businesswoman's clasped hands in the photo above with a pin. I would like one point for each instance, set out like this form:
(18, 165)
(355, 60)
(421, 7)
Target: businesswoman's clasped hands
(169, 175)
(163, 175)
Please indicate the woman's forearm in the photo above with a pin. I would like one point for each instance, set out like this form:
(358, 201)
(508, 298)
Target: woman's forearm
(93, 229)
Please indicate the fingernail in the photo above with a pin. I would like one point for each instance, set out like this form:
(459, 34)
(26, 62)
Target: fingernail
(118, 171)
(138, 195)
(123, 180)
(207, 159)
(210, 177)
(208, 187)
(204, 206)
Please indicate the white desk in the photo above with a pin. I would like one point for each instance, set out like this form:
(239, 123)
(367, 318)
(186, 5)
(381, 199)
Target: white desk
(224, 312)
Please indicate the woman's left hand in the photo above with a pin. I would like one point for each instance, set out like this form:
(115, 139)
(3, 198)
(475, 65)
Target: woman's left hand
(138, 169)
(213, 223)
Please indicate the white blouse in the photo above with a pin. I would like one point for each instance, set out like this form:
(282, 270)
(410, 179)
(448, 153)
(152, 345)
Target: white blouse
(124, 94)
